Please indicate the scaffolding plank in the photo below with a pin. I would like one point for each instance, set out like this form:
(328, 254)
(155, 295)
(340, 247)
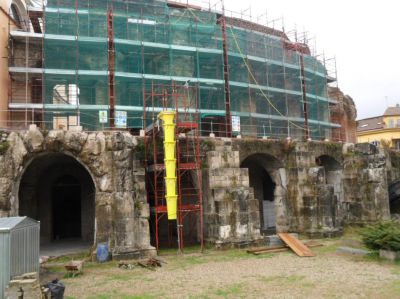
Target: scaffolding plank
(298, 247)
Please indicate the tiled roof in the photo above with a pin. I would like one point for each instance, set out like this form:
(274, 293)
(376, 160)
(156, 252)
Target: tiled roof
(373, 123)
(392, 111)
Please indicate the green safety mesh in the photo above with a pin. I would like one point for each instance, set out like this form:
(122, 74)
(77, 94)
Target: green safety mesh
(158, 44)
(261, 62)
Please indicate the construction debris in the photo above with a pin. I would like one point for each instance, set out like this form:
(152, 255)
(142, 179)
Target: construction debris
(149, 264)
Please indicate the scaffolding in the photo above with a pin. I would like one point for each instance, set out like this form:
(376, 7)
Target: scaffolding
(83, 59)
(183, 99)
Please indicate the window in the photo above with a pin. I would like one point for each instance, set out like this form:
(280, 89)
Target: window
(391, 123)
(15, 14)
(66, 94)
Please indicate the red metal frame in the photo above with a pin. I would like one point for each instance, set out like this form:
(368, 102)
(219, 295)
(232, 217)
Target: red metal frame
(304, 90)
(111, 66)
(228, 120)
(182, 99)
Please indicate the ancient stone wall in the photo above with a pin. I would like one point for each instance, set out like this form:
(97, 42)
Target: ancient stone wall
(317, 187)
(121, 208)
(230, 210)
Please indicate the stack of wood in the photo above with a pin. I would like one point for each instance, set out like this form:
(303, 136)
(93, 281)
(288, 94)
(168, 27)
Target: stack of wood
(301, 249)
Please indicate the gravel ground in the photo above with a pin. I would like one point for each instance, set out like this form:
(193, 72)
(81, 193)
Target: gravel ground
(236, 274)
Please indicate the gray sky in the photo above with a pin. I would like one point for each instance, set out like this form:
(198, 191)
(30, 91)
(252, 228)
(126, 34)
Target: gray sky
(363, 35)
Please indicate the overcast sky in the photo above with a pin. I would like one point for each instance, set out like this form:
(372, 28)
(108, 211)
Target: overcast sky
(363, 35)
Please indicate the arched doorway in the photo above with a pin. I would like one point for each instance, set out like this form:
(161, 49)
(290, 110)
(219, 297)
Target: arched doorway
(58, 191)
(265, 180)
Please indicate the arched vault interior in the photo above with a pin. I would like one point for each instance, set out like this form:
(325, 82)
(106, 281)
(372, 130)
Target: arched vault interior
(266, 181)
(59, 192)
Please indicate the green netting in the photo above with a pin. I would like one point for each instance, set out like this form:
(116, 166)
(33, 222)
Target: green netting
(275, 71)
(160, 44)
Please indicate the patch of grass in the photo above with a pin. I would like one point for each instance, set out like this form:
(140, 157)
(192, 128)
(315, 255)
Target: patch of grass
(174, 251)
(292, 280)
(268, 279)
(232, 291)
(395, 288)
(107, 265)
(327, 248)
(295, 278)
(120, 277)
(72, 275)
(185, 262)
(55, 268)
(68, 258)
(145, 296)
(100, 296)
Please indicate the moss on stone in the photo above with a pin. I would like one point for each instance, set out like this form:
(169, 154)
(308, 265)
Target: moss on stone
(4, 146)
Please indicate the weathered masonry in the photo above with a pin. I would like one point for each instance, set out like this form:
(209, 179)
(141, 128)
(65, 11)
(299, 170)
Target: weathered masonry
(91, 186)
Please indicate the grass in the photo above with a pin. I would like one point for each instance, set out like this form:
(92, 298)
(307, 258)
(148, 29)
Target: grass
(280, 280)
(106, 280)
(233, 291)
(72, 257)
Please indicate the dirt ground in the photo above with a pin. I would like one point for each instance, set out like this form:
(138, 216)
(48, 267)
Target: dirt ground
(237, 274)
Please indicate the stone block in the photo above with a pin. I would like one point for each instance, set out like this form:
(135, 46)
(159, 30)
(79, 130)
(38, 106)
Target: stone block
(224, 232)
(389, 254)
(241, 230)
(243, 218)
(376, 174)
(34, 139)
(316, 175)
(354, 251)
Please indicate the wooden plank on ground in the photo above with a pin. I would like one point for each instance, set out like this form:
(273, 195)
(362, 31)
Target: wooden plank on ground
(299, 248)
(266, 249)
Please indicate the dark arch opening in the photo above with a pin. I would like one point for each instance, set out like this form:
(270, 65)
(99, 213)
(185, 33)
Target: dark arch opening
(59, 192)
(394, 197)
(262, 174)
(328, 162)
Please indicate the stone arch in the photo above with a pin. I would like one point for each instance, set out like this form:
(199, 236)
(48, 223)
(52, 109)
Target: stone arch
(268, 179)
(58, 190)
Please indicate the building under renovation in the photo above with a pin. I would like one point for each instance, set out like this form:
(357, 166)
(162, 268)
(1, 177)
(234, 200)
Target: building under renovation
(256, 120)
(93, 63)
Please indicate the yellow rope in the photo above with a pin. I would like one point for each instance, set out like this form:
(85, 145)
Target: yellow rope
(255, 80)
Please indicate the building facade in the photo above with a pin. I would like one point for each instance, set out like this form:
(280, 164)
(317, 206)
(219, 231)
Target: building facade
(89, 63)
(381, 130)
